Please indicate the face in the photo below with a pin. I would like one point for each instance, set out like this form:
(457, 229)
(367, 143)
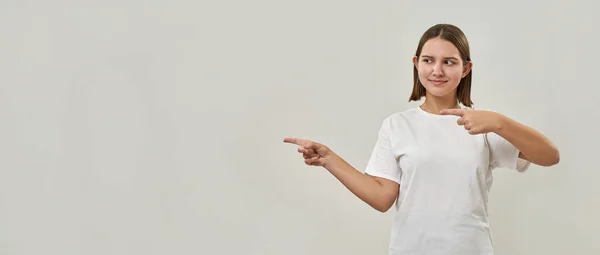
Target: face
(440, 67)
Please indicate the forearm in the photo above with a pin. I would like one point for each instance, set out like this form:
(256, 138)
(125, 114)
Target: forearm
(535, 146)
(363, 186)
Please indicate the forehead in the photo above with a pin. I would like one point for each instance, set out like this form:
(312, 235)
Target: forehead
(438, 47)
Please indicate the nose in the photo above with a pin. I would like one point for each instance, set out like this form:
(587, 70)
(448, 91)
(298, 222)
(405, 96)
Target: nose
(438, 70)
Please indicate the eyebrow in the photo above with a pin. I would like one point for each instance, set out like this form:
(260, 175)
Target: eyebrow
(427, 56)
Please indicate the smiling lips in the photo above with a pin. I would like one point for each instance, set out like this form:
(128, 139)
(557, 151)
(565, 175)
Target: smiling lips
(438, 82)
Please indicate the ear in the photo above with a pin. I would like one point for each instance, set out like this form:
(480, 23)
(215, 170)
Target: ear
(467, 69)
(415, 61)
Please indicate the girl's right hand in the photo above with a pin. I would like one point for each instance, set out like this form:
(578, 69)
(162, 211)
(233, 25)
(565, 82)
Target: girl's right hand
(315, 154)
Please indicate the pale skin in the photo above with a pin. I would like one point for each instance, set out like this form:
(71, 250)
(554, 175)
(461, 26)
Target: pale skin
(440, 71)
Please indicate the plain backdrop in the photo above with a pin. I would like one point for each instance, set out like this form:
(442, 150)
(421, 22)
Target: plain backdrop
(156, 127)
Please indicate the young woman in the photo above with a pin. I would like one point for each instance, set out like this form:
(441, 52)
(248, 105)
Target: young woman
(435, 161)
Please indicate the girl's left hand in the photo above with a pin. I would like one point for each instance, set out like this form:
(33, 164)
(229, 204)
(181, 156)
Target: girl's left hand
(477, 121)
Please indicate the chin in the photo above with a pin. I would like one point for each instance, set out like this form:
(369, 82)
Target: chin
(439, 92)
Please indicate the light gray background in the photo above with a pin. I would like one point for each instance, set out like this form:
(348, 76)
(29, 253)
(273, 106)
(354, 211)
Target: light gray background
(156, 127)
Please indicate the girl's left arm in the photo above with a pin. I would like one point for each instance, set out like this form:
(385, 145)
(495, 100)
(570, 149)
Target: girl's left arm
(533, 146)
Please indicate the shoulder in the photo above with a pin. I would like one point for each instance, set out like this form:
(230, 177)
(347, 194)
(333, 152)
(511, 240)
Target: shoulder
(398, 120)
(403, 115)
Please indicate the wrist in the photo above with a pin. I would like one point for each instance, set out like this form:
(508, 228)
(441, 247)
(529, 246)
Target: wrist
(501, 123)
(332, 161)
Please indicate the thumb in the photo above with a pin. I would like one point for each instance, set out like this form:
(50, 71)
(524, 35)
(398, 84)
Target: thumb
(311, 145)
(317, 147)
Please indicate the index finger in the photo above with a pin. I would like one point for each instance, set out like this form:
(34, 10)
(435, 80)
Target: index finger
(457, 112)
(296, 141)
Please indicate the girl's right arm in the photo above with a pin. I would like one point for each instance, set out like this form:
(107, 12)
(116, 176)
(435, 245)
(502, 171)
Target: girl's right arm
(377, 192)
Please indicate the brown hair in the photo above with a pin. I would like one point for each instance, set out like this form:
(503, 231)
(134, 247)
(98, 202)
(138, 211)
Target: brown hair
(454, 35)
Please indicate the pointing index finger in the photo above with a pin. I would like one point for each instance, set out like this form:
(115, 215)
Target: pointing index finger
(296, 141)
(457, 112)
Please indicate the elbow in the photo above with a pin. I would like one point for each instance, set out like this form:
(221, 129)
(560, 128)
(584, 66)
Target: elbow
(382, 209)
(553, 159)
(383, 206)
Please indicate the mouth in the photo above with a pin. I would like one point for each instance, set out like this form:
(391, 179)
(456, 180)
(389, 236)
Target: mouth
(438, 82)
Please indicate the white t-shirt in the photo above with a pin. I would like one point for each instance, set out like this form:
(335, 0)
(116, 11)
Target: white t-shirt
(445, 175)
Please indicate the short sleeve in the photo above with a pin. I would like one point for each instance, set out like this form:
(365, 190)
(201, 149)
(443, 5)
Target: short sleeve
(503, 154)
(383, 162)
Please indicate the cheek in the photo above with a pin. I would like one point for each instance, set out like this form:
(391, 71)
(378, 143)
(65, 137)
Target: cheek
(424, 71)
(455, 73)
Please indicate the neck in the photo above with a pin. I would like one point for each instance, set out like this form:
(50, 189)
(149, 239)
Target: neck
(435, 104)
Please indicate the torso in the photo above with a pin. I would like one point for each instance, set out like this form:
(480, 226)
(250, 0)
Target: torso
(442, 203)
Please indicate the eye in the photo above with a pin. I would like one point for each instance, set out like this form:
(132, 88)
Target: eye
(449, 62)
(426, 60)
